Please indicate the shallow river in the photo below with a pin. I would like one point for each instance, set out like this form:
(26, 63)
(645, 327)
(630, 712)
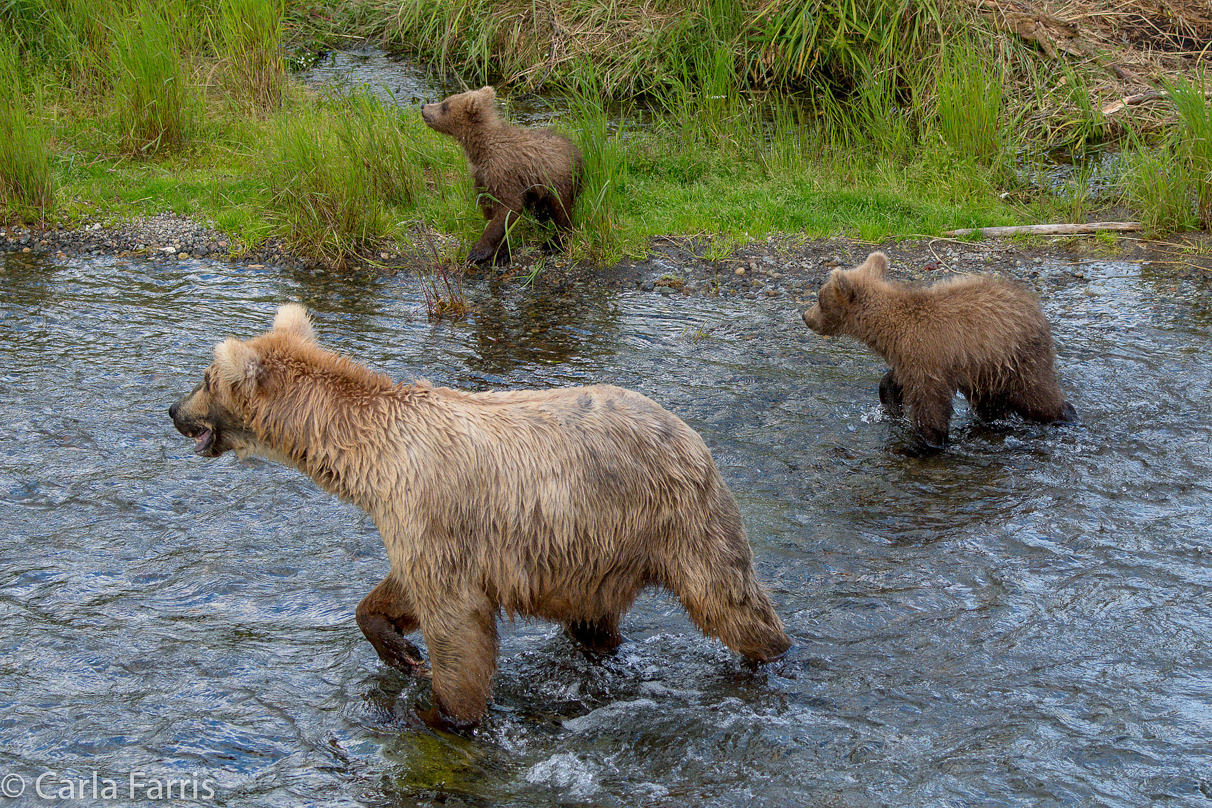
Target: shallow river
(1021, 621)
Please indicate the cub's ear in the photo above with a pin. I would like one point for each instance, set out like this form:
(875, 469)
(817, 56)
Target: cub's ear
(292, 319)
(875, 265)
(843, 283)
(237, 366)
(481, 101)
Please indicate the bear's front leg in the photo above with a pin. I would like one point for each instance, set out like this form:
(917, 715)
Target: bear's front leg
(931, 409)
(891, 394)
(493, 245)
(385, 616)
(462, 637)
(1043, 406)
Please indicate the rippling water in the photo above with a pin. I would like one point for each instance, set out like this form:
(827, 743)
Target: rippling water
(1022, 620)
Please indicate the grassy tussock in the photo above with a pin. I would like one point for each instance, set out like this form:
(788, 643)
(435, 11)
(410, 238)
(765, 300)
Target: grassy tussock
(27, 187)
(247, 38)
(1172, 185)
(970, 112)
(153, 99)
(346, 173)
(597, 213)
(323, 196)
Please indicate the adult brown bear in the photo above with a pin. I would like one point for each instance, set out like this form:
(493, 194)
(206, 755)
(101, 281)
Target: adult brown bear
(980, 335)
(513, 169)
(557, 504)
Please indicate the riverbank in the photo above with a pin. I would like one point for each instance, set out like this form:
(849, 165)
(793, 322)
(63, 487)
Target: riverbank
(784, 268)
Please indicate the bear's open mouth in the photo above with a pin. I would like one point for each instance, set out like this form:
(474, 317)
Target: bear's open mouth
(203, 441)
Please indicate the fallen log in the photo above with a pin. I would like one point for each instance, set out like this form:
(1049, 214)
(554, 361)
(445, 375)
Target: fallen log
(1047, 229)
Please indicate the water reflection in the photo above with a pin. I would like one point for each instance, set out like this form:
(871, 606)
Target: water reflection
(1020, 621)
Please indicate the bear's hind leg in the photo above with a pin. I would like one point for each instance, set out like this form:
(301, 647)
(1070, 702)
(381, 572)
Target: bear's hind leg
(385, 617)
(987, 408)
(600, 636)
(561, 213)
(716, 584)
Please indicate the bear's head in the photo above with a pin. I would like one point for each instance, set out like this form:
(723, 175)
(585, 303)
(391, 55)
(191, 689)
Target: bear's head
(218, 412)
(462, 113)
(837, 296)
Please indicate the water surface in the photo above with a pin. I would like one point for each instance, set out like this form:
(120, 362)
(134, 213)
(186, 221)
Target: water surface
(1021, 621)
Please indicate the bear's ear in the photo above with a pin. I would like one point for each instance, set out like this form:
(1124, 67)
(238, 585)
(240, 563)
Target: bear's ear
(875, 265)
(480, 102)
(238, 366)
(292, 319)
(843, 285)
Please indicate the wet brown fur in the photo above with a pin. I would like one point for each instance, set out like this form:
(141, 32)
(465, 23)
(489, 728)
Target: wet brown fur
(983, 336)
(558, 504)
(513, 169)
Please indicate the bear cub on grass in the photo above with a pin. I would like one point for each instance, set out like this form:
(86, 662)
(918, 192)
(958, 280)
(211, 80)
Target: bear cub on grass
(977, 334)
(556, 504)
(513, 169)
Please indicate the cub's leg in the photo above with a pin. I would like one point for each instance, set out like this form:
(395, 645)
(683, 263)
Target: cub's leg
(561, 212)
(892, 395)
(385, 616)
(988, 407)
(1044, 406)
(493, 247)
(930, 409)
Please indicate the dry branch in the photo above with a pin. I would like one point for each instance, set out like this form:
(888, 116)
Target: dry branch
(1138, 99)
(1047, 229)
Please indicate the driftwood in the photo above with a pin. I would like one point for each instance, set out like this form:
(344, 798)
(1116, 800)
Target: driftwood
(1140, 98)
(1133, 101)
(1047, 229)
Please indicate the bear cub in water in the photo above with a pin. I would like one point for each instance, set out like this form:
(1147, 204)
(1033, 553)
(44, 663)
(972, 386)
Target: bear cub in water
(983, 336)
(513, 169)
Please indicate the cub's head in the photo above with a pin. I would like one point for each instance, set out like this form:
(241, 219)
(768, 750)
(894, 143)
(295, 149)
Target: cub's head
(837, 296)
(217, 413)
(462, 113)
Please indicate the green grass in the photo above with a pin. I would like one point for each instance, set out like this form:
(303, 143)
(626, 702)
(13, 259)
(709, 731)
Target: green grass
(1171, 183)
(874, 119)
(971, 115)
(154, 102)
(247, 38)
(27, 186)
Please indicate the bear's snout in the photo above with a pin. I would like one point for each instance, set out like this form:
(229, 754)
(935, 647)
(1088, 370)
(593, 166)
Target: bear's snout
(812, 318)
